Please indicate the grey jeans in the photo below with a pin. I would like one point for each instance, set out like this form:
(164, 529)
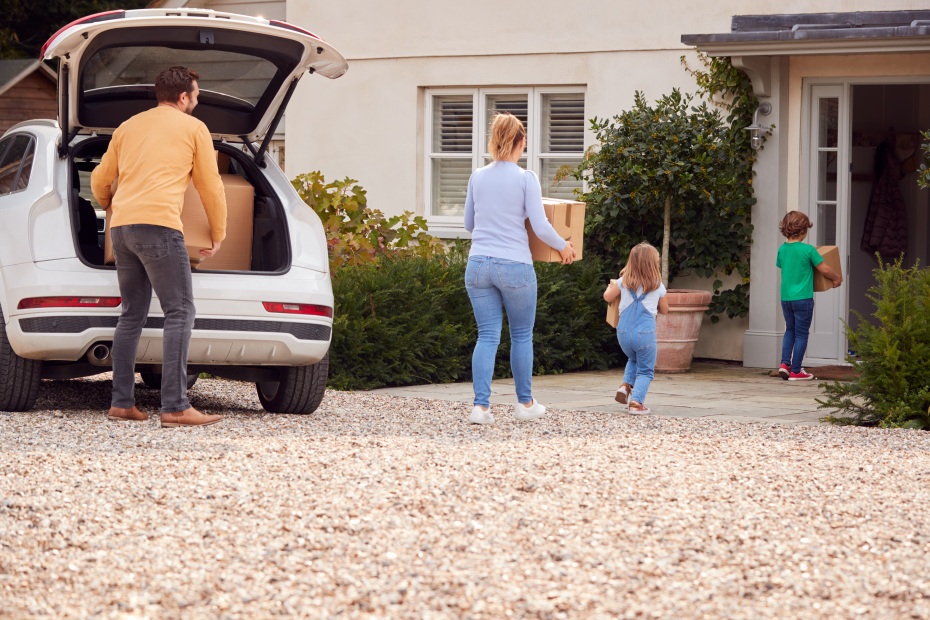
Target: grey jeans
(152, 257)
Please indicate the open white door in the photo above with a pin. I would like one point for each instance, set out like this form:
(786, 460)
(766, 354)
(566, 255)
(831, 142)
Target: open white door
(825, 164)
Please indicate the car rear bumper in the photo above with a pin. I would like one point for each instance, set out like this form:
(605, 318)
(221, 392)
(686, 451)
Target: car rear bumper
(232, 326)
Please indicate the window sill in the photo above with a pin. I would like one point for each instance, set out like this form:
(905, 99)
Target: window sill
(445, 231)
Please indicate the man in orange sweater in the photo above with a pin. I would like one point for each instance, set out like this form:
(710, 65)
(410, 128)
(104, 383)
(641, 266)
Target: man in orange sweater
(156, 154)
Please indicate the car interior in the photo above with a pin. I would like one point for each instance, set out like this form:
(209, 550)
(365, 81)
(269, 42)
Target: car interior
(261, 223)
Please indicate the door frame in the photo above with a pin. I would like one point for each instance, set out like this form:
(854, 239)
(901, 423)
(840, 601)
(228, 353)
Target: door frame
(806, 187)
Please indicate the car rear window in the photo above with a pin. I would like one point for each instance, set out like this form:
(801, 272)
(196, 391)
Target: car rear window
(230, 74)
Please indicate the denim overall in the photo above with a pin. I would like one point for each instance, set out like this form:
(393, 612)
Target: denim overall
(636, 332)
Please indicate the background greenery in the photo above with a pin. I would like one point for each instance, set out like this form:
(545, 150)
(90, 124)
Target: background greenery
(893, 386)
(25, 25)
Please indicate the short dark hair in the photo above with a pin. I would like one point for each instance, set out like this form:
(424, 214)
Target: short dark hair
(170, 83)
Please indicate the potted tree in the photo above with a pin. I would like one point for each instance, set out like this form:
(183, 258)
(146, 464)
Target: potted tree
(678, 176)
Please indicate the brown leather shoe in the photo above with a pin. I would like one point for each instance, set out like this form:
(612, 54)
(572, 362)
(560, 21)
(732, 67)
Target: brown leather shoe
(127, 415)
(188, 417)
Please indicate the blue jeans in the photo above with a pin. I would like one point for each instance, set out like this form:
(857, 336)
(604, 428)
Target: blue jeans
(636, 333)
(152, 257)
(798, 317)
(493, 284)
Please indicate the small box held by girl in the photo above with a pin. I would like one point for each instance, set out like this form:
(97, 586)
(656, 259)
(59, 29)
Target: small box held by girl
(642, 297)
(797, 261)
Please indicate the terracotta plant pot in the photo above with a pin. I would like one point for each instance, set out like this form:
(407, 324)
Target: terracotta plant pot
(677, 332)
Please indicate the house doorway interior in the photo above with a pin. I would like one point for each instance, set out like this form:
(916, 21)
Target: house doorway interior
(861, 127)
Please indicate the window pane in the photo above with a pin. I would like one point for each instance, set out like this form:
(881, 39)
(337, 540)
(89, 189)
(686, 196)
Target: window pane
(826, 224)
(453, 119)
(564, 189)
(242, 76)
(829, 122)
(515, 104)
(19, 149)
(826, 176)
(562, 123)
(449, 185)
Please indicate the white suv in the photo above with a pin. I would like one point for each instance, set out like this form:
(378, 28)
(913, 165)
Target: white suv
(264, 317)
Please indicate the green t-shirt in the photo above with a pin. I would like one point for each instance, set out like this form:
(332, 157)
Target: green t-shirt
(797, 261)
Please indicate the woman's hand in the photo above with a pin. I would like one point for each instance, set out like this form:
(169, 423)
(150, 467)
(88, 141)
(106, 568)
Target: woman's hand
(568, 254)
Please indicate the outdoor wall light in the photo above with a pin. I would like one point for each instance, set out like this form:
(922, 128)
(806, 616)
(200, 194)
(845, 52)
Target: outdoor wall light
(757, 129)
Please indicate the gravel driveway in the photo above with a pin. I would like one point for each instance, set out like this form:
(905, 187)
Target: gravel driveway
(388, 507)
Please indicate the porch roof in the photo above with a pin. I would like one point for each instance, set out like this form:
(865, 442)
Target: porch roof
(818, 33)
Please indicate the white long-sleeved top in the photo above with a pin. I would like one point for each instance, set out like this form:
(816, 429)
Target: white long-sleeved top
(501, 197)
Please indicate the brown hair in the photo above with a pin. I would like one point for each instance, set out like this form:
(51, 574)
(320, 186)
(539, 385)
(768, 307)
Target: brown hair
(506, 133)
(794, 224)
(642, 269)
(170, 83)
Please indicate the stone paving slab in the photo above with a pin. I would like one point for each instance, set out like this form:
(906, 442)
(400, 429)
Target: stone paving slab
(712, 390)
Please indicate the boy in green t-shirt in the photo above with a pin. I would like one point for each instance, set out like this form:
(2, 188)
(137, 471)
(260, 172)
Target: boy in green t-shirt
(797, 262)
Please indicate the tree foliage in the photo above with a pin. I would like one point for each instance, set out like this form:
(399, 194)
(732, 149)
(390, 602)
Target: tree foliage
(27, 24)
(677, 175)
(357, 234)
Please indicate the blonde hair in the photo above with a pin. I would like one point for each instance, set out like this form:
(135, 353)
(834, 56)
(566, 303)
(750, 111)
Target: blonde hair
(642, 269)
(506, 133)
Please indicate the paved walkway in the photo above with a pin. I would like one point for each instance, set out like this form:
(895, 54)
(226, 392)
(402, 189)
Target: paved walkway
(710, 390)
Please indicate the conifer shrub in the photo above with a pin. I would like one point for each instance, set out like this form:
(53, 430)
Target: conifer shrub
(893, 386)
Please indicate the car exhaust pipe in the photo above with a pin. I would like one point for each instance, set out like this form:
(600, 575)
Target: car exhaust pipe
(99, 355)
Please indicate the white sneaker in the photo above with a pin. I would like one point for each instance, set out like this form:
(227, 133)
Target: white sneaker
(533, 412)
(481, 416)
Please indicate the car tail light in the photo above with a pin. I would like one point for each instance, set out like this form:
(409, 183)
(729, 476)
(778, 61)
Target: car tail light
(68, 302)
(286, 308)
(90, 19)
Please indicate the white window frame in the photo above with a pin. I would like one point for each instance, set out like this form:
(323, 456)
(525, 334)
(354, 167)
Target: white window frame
(479, 156)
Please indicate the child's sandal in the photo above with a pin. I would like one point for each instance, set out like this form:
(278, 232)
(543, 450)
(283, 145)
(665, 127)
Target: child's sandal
(638, 408)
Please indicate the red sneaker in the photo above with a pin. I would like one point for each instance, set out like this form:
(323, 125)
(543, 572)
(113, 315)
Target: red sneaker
(800, 376)
(784, 371)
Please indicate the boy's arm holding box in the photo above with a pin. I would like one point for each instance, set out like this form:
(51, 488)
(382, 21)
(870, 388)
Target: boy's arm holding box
(829, 274)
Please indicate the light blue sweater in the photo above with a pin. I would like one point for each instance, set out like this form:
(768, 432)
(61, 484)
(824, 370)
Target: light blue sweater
(501, 196)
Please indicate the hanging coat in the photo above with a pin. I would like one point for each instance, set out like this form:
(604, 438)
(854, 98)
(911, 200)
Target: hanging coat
(886, 221)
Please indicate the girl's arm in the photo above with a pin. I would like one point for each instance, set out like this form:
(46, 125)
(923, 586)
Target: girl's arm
(663, 305)
(829, 274)
(612, 292)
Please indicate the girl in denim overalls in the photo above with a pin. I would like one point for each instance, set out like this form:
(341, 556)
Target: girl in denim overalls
(642, 297)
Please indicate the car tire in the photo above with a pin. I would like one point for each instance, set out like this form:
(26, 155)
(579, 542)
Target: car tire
(299, 389)
(152, 380)
(19, 378)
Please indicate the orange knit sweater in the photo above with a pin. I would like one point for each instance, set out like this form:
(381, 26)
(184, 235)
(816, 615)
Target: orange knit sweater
(156, 154)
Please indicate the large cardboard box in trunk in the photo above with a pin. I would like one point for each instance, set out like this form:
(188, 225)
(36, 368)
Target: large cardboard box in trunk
(567, 217)
(235, 253)
(831, 257)
(236, 250)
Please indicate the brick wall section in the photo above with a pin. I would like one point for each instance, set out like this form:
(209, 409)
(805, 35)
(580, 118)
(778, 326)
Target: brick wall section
(35, 96)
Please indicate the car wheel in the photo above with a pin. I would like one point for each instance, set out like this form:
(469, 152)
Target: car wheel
(299, 389)
(153, 379)
(19, 377)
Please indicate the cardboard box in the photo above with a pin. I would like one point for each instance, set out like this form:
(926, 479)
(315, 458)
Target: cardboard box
(236, 251)
(831, 257)
(567, 217)
(235, 254)
(613, 310)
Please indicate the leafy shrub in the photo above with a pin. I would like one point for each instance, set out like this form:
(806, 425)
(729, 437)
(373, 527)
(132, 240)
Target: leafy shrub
(357, 234)
(407, 320)
(893, 387)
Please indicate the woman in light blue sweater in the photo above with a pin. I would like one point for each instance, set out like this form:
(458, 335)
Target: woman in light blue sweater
(500, 275)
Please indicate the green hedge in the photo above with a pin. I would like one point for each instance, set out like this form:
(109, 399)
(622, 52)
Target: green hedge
(408, 321)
